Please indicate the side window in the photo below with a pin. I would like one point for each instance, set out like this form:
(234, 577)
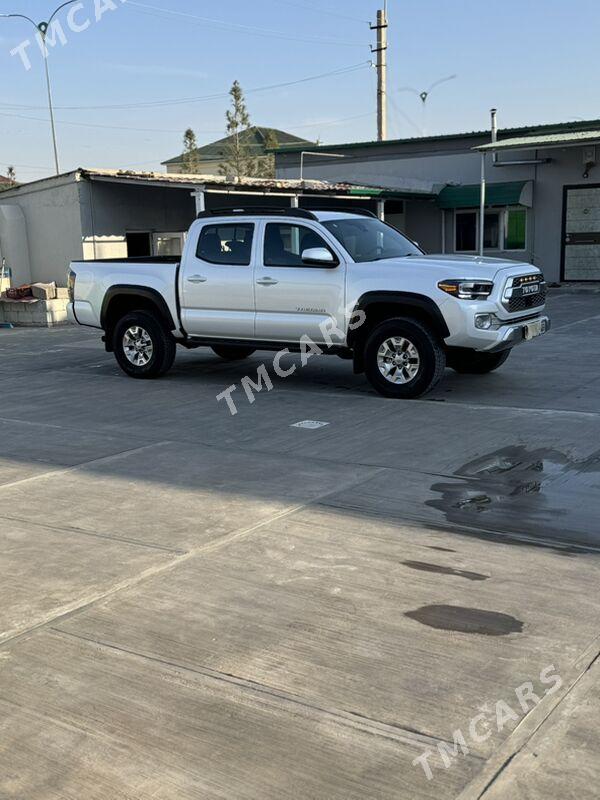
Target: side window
(284, 244)
(226, 244)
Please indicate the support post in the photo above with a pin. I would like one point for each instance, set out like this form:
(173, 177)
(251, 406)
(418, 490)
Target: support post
(199, 197)
(443, 230)
(295, 203)
(482, 206)
(381, 210)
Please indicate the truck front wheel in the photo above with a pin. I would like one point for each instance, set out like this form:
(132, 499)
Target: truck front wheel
(403, 358)
(470, 362)
(142, 346)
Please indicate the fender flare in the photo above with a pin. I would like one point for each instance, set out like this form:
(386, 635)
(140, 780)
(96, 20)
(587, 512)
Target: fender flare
(410, 299)
(146, 292)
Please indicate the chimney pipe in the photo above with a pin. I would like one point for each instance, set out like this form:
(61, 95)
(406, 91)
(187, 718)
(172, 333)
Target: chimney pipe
(493, 113)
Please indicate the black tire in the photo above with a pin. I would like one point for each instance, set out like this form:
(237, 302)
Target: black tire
(232, 352)
(162, 344)
(473, 363)
(429, 363)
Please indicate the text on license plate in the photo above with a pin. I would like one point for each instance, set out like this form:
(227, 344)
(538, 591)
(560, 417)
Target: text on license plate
(533, 329)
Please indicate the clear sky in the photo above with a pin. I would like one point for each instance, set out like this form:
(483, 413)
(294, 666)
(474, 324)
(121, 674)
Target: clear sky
(536, 60)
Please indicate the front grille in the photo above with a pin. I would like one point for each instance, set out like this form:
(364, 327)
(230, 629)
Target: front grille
(528, 301)
(516, 297)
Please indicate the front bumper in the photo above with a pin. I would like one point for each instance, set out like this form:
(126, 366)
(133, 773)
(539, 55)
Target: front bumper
(512, 335)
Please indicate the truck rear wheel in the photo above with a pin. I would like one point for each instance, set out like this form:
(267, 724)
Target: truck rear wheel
(473, 363)
(403, 358)
(232, 352)
(142, 346)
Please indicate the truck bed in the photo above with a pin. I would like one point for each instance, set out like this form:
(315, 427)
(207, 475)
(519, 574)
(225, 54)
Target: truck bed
(134, 260)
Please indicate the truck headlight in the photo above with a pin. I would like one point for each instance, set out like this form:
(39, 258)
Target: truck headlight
(467, 289)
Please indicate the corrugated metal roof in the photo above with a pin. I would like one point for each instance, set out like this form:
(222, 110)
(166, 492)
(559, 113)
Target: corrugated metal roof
(552, 128)
(548, 141)
(233, 184)
(497, 194)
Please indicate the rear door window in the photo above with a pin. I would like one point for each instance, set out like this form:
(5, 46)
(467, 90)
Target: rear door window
(226, 244)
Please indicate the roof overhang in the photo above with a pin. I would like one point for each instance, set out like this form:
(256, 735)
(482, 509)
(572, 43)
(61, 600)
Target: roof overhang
(513, 193)
(222, 184)
(547, 142)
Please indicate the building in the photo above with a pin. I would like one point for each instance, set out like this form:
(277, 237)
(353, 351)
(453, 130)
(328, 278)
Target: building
(542, 200)
(6, 183)
(255, 139)
(92, 214)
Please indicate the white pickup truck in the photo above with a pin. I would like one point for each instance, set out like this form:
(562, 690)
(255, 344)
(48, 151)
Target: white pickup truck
(262, 279)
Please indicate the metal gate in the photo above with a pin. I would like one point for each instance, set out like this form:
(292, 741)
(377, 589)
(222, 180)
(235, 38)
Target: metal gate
(581, 241)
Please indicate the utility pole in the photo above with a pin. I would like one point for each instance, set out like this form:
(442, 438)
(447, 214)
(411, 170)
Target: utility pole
(381, 50)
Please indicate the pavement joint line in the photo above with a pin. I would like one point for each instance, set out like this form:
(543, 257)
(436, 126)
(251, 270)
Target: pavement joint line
(70, 529)
(82, 465)
(470, 530)
(358, 395)
(499, 761)
(94, 733)
(296, 703)
(572, 324)
(82, 604)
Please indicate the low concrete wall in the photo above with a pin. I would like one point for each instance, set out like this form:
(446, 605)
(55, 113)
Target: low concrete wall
(34, 313)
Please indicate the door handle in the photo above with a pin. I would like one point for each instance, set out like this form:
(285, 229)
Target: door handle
(197, 279)
(267, 282)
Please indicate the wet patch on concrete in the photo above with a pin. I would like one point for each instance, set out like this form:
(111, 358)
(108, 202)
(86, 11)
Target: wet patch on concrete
(466, 620)
(439, 569)
(521, 490)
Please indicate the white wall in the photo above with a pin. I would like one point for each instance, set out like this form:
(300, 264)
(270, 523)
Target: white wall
(13, 244)
(52, 228)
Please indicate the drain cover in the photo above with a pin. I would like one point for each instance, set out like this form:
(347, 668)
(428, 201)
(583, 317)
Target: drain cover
(310, 424)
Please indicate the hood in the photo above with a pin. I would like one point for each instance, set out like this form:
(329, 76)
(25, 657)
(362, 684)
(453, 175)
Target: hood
(464, 266)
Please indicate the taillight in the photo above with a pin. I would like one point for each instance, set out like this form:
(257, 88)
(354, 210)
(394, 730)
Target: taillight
(71, 284)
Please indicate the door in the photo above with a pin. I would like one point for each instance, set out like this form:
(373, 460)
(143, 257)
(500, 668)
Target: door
(294, 299)
(581, 247)
(217, 286)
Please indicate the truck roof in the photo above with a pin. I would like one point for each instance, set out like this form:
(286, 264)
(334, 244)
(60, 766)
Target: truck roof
(323, 215)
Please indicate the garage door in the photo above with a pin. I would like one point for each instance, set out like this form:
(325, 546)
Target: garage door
(582, 234)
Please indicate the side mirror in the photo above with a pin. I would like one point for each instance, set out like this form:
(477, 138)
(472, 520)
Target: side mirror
(319, 257)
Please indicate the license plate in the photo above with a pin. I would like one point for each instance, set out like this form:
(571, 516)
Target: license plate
(532, 288)
(533, 329)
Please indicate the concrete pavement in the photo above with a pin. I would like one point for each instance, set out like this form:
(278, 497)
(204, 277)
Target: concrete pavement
(195, 605)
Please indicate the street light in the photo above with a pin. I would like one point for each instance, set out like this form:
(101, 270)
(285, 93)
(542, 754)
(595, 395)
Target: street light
(42, 29)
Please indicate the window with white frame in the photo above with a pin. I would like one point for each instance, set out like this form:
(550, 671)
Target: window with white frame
(503, 229)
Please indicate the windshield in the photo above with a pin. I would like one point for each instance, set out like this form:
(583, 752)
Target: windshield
(369, 239)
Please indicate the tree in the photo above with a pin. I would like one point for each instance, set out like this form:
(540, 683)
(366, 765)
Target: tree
(5, 185)
(266, 165)
(191, 160)
(238, 160)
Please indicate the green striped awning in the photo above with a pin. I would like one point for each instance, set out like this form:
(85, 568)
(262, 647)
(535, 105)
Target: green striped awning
(515, 193)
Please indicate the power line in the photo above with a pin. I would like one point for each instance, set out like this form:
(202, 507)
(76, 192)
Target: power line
(200, 99)
(229, 26)
(319, 124)
(103, 127)
(321, 11)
